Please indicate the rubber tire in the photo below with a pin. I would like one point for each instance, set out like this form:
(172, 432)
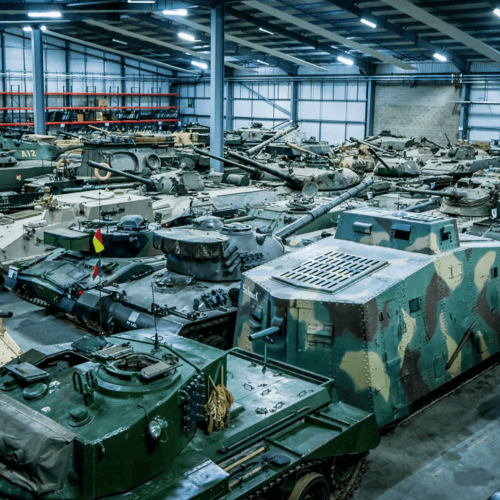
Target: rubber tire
(304, 485)
(101, 177)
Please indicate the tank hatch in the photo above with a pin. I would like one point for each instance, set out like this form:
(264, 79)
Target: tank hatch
(411, 232)
(330, 272)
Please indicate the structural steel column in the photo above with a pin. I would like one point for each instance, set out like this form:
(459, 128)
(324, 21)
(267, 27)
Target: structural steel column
(463, 130)
(217, 85)
(38, 80)
(229, 105)
(370, 108)
(294, 101)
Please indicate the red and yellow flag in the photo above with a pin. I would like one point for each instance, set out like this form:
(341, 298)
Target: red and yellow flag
(98, 243)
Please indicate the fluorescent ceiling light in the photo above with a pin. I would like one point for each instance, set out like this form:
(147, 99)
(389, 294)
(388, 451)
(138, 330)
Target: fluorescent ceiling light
(186, 36)
(265, 31)
(176, 12)
(29, 28)
(119, 41)
(262, 62)
(345, 60)
(368, 23)
(52, 14)
(497, 12)
(439, 57)
(141, 1)
(201, 46)
(199, 64)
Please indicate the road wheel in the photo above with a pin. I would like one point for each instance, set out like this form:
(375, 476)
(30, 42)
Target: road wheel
(312, 486)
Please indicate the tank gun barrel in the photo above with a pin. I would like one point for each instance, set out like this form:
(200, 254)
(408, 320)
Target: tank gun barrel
(147, 182)
(424, 139)
(455, 193)
(72, 148)
(68, 134)
(353, 139)
(321, 210)
(298, 148)
(259, 166)
(372, 151)
(278, 135)
(107, 132)
(226, 161)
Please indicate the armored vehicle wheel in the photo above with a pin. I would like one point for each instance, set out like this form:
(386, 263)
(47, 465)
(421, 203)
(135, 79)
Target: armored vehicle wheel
(346, 472)
(312, 486)
(217, 341)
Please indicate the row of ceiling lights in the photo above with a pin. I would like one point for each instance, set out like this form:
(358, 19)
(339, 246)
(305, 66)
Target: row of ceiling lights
(186, 36)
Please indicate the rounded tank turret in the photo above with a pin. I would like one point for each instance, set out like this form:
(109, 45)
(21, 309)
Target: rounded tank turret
(212, 252)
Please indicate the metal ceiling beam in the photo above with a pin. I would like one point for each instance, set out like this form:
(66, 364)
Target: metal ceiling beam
(118, 52)
(438, 24)
(279, 14)
(83, 8)
(323, 47)
(255, 46)
(229, 47)
(410, 36)
(160, 43)
(132, 42)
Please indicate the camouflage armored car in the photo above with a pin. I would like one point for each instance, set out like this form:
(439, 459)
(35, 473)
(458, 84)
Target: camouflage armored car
(393, 307)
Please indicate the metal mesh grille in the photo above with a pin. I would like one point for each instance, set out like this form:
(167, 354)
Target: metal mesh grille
(330, 271)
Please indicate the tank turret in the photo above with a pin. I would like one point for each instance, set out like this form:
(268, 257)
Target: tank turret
(326, 179)
(395, 166)
(216, 253)
(176, 182)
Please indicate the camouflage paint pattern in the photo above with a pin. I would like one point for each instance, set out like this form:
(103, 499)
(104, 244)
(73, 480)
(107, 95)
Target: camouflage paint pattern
(381, 308)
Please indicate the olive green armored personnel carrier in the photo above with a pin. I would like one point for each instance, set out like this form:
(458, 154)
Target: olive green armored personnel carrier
(394, 307)
(144, 417)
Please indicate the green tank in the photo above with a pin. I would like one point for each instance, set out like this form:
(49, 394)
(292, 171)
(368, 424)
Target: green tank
(143, 417)
(394, 307)
(33, 150)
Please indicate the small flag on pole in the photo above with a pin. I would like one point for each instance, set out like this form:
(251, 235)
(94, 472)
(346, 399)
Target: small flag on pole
(97, 269)
(98, 243)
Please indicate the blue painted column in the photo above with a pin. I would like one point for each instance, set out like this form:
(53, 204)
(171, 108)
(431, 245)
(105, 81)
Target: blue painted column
(38, 80)
(463, 131)
(230, 105)
(217, 85)
(370, 108)
(294, 104)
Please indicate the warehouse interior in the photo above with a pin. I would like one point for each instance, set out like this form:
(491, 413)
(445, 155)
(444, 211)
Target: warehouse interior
(344, 72)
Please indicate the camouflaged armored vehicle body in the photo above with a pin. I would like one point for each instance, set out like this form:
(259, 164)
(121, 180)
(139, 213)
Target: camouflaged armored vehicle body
(139, 417)
(394, 307)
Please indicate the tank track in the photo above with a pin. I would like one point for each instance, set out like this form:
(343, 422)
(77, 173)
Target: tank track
(339, 490)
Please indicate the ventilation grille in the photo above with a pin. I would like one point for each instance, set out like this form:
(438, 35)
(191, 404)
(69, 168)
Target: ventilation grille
(330, 271)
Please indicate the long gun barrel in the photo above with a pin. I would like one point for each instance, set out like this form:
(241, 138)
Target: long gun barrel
(455, 193)
(379, 158)
(424, 139)
(353, 139)
(147, 182)
(321, 210)
(298, 148)
(278, 135)
(295, 183)
(227, 161)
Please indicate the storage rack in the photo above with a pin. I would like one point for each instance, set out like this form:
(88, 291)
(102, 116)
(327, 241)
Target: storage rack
(131, 114)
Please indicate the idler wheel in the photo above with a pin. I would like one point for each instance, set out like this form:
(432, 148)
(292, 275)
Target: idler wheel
(312, 486)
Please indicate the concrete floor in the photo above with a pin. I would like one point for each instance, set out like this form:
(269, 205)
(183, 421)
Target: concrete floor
(447, 452)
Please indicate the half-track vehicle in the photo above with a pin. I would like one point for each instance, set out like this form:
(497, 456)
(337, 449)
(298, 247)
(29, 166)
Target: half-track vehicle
(148, 417)
(393, 307)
